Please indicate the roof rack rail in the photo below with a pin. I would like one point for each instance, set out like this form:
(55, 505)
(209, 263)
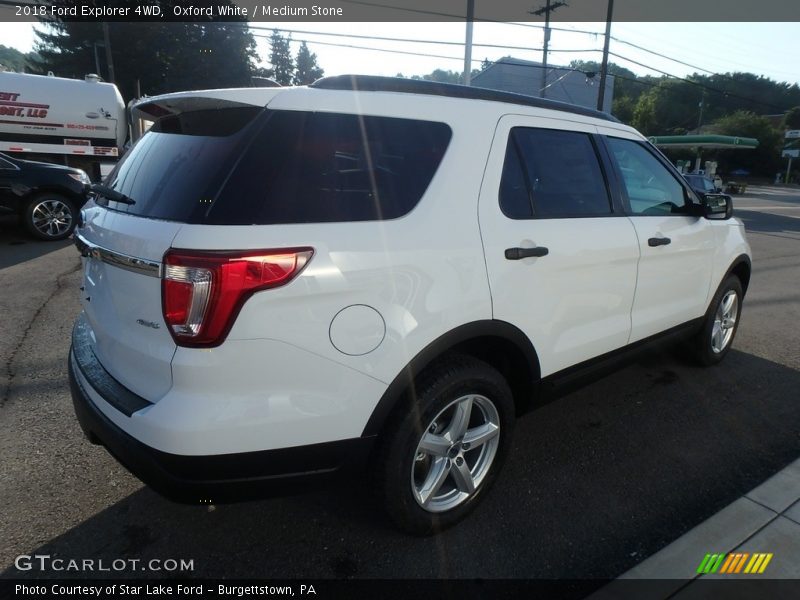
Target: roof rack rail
(375, 83)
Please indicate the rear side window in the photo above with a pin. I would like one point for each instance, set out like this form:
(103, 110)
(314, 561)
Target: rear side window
(305, 167)
(174, 171)
(561, 174)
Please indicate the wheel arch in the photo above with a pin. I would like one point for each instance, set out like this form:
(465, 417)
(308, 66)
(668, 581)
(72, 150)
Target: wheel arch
(39, 190)
(742, 268)
(498, 343)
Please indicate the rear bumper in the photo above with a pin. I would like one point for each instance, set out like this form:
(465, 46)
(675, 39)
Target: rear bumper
(219, 477)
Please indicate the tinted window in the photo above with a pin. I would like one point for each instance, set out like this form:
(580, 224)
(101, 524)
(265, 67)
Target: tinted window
(323, 167)
(562, 173)
(175, 170)
(4, 164)
(514, 199)
(651, 188)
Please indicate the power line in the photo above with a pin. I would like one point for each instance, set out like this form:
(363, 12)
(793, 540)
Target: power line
(416, 41)
(698, 84)
(406, 52)
(506, 61)
(530, 25)
(458, 17)
(444, 57)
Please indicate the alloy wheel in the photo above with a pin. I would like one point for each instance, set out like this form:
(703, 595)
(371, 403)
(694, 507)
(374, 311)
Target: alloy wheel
(725, 321)
(51, 218)
(455, 453)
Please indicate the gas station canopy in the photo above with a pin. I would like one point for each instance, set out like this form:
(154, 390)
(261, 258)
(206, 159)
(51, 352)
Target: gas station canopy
(726, 142)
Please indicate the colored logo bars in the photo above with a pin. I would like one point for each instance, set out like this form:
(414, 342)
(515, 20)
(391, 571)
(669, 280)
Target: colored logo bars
(734, 562)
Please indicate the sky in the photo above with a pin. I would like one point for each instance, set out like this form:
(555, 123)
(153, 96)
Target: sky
(769, 49)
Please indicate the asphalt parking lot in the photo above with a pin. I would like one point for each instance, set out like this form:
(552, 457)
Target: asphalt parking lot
(597, 481)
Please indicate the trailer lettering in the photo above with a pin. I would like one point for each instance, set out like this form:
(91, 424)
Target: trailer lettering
(12, 111)
(9, 96)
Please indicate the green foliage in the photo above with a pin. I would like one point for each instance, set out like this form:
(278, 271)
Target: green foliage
(307, 71)
(644, 114)
(792, 118)
(282, 69)
(162, 57)
(443, 76)
(764, 160)
(668, 109)
(14, 60)
(623, 107)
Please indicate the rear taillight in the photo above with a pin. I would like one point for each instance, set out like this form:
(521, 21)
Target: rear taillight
(202, 292)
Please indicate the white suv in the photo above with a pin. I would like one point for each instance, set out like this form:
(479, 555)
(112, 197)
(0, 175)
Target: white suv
(282, 284)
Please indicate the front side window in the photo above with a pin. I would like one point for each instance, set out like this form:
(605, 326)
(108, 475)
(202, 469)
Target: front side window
(552, 173)
(651, 188)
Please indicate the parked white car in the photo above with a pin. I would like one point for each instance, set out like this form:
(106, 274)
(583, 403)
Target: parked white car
(286, 284)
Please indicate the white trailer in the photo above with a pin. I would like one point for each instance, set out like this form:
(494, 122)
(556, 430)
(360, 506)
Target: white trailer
(80, 123)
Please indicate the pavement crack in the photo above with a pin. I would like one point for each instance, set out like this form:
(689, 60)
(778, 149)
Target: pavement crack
(9, 366)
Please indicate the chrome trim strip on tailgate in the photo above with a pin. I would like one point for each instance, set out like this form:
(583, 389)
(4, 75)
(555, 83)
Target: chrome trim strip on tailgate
(118, 259)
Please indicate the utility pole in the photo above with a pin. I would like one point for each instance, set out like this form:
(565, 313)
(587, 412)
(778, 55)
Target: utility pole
(468, 43)
(546, 10)
(601, 93)
(702, 106)
(109, 60)
(96, 59)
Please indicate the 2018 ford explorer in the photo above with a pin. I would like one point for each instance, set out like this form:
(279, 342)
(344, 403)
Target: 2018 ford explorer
(286, 284)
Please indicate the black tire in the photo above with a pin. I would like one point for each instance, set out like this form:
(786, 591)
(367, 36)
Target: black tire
(445, 386)
(50, 216)
(706, 350)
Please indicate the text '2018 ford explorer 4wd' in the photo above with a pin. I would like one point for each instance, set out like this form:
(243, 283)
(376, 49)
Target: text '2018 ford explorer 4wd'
(282, 284)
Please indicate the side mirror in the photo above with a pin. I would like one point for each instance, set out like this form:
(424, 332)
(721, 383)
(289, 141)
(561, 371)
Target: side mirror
(717, 206)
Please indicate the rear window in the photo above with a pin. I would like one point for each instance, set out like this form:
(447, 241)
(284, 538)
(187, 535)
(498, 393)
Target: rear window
(323, 167)
(288, 167)
(175, 170)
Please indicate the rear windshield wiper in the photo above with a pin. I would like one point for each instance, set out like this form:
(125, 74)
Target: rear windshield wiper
(111, 194)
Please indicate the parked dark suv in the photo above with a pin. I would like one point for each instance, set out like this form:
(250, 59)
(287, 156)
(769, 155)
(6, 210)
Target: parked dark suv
(701, 184)
(46, 197)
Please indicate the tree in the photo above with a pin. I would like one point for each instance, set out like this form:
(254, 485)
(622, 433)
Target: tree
(282, 69)
(162, 57)
(307, 70)
(14, 60)
(766, 158)
(792, 118)
(644, 114)
(623, 108)
(445, 76)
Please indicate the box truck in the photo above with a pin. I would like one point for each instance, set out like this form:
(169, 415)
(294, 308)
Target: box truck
(73, 122)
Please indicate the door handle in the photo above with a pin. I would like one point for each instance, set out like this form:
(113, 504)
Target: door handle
(519, 253)
(658, 241)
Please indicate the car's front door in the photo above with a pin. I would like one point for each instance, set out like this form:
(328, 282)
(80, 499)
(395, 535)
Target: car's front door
(676, 245)
(561, 256)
